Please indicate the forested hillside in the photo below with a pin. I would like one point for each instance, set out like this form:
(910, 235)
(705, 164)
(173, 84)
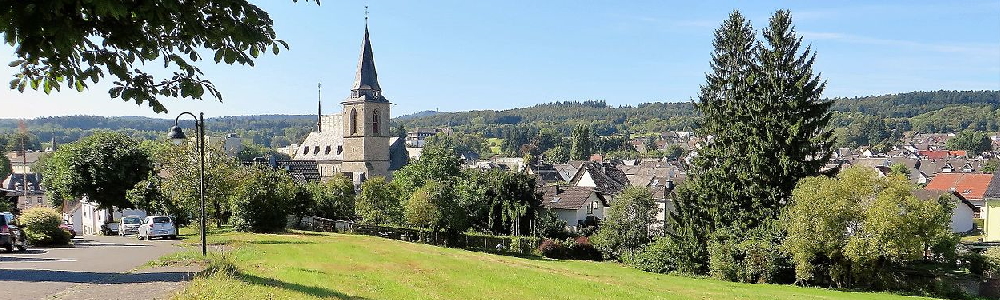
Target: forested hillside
(931, 112)
(268, 130)
(860, 120)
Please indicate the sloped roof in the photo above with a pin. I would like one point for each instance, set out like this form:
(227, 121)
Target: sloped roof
(305, 170)
(934, 194)
(16, 157)
(993, 189)
(608, 179)
(366, 77)
(969, 186)
(571, 197)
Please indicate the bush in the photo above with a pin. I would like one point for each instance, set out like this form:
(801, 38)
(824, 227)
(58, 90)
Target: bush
(41, 225)
(571, 248)
(552, 249)
(260, 203)
(750, 257)
(991, 266)
(664, 255)
(581, 248)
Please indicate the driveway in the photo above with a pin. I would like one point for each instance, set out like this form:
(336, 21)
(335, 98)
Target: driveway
(94, 269)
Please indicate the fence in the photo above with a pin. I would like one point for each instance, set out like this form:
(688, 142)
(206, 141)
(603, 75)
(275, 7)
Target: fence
(469, 241)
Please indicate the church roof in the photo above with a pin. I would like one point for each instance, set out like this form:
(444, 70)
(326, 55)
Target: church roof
(366, 77)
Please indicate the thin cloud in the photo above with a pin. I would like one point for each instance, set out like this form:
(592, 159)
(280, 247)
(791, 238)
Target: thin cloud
(856, 39)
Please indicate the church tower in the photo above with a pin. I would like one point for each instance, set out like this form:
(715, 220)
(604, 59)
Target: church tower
(366, 120)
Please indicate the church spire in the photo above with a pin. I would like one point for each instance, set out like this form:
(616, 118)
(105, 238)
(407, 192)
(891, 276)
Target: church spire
(319, 107)
(366, 78)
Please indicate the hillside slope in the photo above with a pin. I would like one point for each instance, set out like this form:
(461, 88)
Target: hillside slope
(314, 266)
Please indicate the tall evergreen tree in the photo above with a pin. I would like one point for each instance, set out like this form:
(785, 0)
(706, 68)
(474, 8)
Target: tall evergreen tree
(797, 118)
(764, 125)
(711, 192)
(583, 143)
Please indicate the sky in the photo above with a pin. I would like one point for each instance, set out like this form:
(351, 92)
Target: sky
(473, 55)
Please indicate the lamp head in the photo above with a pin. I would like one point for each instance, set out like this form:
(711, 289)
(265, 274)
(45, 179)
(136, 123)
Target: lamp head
(176, 135)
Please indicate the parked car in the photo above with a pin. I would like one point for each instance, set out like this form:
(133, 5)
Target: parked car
(129, 225)
(109, 228)
(10, 236)
(157, 226)
(68, 228)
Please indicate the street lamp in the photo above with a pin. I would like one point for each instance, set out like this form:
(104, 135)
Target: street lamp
(176, 135)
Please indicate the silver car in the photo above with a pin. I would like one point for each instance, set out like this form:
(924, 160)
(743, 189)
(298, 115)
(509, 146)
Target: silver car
(157, 226)
(129, 225)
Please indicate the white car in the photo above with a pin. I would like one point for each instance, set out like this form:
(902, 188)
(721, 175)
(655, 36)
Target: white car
(157, 226)
(129, 225)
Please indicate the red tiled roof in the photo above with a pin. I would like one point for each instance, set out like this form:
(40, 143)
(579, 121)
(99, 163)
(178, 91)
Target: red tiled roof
(957, 153)
(967, 185)
(933, 154)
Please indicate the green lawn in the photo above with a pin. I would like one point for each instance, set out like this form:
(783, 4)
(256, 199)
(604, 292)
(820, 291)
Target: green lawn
(310, 266)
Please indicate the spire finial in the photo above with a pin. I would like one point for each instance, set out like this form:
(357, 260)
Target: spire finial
(366, 15)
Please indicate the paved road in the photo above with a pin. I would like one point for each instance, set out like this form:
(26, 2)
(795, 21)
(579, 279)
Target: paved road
(92, 269)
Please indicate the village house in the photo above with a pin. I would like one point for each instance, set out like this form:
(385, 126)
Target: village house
(961, 216)
(578, 206)
(992, 210)
(969, 187)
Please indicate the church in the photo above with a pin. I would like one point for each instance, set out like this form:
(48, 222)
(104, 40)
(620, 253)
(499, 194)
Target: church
(357, 142)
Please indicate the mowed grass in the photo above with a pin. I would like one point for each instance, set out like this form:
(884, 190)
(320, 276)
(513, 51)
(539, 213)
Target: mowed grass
(337, 266)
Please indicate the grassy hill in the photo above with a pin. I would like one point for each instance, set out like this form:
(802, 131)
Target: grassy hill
(314, 266)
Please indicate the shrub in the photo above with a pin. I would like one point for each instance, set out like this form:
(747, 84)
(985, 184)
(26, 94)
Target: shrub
(991, 266)
(749, 257)
(41, 225)
(260, 203)
(552, 249)
(581, 248)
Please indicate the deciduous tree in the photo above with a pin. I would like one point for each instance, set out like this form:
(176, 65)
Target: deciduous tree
(75, 43)
(103, 167)
(379, 203)
(626, 225)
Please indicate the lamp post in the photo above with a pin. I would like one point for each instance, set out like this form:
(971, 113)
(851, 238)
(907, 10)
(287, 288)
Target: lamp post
(176, 135)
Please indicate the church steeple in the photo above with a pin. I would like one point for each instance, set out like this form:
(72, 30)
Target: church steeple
(319, 107)
(366, 78)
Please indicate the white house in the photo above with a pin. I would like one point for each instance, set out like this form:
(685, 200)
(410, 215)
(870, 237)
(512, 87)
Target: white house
(577, 205)
(92, 218)
(961, 215)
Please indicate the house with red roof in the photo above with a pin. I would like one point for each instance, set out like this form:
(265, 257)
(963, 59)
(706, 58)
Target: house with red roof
(967, 186)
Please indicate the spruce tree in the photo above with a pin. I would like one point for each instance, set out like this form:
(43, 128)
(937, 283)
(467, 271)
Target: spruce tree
(583, 144)
(764, 128)
(798, 118)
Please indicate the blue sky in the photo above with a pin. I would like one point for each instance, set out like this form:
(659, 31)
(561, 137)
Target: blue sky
(471, 55)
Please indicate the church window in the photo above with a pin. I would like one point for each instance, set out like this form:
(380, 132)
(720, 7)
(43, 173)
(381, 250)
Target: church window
(354, 121)
(340, 149)
(305, 150)
(375, 121)
(327, 151)
(316, 150)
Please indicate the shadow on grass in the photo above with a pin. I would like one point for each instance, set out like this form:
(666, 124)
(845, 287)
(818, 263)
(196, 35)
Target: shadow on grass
(272, 242)
(26, 275)
(305, 289)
